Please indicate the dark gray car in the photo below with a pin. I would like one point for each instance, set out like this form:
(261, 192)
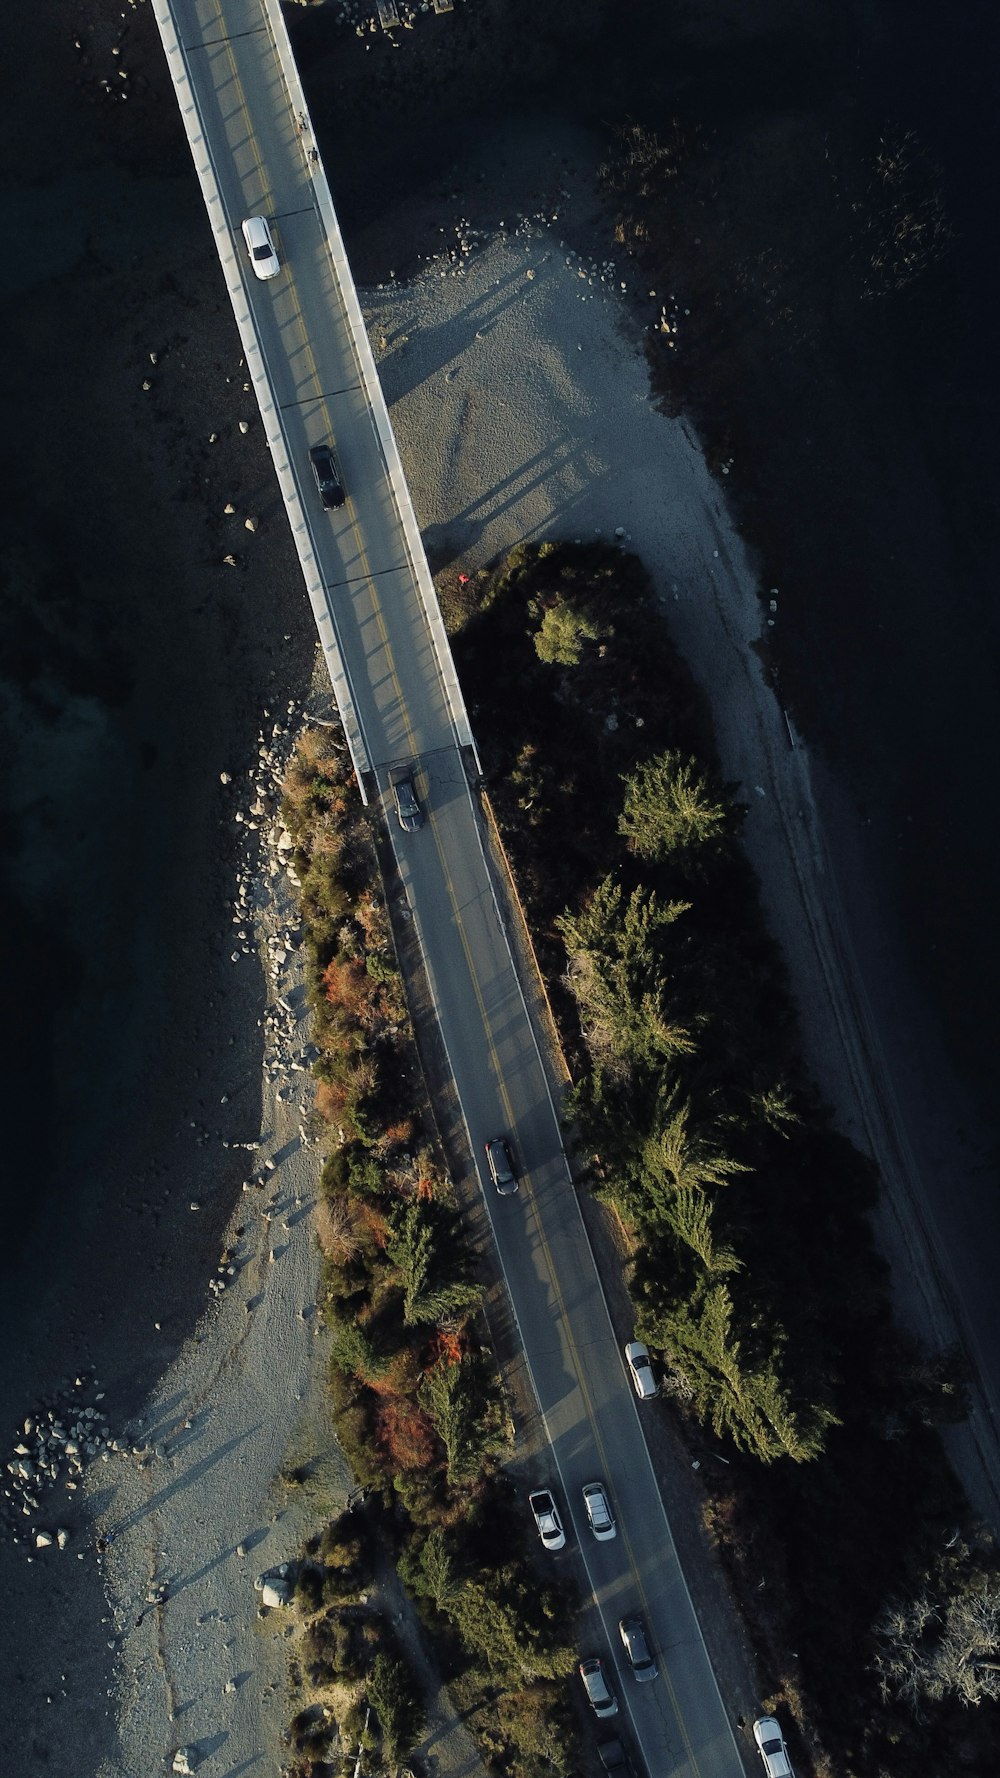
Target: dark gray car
(501, 1167)
(615, 1760)
(635, 1642)
(409, 814)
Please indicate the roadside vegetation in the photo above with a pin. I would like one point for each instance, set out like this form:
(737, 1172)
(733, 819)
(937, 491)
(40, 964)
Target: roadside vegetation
(418, 1407)
(872, 1598)
(754, 1273)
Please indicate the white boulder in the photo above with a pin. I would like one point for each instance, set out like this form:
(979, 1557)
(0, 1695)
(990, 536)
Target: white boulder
(276, 1592)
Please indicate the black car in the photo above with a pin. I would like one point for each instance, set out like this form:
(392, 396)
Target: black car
(409, 814)
(615, 1759)
(327, 472)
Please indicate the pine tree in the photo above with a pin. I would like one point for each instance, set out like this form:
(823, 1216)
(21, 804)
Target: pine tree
(672, 810)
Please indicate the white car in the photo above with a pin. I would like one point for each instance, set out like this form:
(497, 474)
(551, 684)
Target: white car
(547, 1519)
(771, 1747)
(641, 1370)
(599, 1514)
(260, 247)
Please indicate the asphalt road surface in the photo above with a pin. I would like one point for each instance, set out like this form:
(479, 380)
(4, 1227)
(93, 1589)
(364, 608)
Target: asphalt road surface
(259, 145)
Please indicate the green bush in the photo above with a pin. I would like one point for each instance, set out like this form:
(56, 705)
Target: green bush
(309, 1587)
(394, 1695)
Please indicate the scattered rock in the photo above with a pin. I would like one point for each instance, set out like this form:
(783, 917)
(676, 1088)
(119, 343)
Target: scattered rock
(184, 1762)
(43, 1540)
(62, 1538)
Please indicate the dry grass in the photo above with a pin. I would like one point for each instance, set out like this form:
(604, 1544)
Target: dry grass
(335, 1231)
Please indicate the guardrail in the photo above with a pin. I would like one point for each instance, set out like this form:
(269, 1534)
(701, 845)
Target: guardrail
(256, 363)
(370, 379)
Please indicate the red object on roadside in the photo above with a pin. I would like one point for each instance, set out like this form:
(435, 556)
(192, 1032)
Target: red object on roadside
(463, 580)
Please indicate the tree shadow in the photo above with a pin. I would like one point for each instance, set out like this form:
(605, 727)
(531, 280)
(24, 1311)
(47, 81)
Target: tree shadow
(194, 1474)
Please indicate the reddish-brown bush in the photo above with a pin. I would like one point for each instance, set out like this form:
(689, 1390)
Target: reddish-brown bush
(404, 1434)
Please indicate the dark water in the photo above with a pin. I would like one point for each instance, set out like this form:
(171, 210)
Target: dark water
(113, 698)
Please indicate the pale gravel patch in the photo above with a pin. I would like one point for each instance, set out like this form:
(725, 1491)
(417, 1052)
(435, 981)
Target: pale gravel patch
(244, 1400)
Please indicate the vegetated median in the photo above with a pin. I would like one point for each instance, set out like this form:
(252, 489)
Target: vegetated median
(872, 1596)
(418, 1407)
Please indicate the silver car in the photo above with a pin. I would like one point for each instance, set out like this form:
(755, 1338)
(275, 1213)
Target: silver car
(598, 1508)
(600, 1697)
(260, 247)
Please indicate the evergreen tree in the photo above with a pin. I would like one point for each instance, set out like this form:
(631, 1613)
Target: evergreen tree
(394, 1696)
(565, 629)
(463, 1402)
(414, 1249)
(673, 811)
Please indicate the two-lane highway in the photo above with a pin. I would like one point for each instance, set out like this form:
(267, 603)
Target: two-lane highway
(252, 145)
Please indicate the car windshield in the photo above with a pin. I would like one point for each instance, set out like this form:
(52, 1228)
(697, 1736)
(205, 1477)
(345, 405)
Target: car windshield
(263, 251)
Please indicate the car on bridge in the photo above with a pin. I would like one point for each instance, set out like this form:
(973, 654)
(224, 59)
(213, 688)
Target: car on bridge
(326, 471)
(409, 814)
(260, 246)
